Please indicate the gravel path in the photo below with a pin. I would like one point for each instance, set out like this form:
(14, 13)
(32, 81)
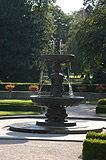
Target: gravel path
(39, 150)
(46, 150)
(83, 110)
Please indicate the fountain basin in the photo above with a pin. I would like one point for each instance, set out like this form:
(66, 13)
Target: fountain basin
(45, 100)
(58, 58)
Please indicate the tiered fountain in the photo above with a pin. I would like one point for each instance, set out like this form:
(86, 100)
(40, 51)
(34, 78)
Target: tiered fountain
(56, 101)
(56, 118)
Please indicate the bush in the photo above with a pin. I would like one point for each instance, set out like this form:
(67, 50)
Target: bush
(19, 105)
(86, 81)
(94, 135)
(94, 149)
(101, 109)
(102, 101)
(101, 106)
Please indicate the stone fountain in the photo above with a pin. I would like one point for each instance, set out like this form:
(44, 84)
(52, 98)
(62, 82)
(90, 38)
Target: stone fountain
(56, 121)
(57, 101)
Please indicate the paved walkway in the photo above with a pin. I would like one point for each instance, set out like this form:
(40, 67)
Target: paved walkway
(27, 146)
(83, 111)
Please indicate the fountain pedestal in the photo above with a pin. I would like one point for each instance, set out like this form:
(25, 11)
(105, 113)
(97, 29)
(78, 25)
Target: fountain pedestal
(56, 116)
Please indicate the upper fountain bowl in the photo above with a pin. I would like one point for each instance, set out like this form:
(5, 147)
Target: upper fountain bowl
(45, 100)
(58, 58)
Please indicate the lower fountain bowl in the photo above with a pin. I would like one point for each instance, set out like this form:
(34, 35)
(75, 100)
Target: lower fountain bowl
(45, 100)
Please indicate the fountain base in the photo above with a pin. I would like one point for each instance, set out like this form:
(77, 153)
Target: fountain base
(79, 128)
(50, 124)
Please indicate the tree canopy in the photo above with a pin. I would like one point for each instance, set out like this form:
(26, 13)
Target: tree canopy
(91, 38)
(24, 33)
(27, 28)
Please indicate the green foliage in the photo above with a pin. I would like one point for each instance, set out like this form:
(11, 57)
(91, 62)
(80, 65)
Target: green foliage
(47, 87)
(71, 46)
(94, 135)
(17, 113)
(62, 23)
(94, 149)
(94, 146)
(86, 81)
(19, 105)
(101, 109)
(102, 101)
(92, 43)
(18, 86)
(24, 34)
(101, 106)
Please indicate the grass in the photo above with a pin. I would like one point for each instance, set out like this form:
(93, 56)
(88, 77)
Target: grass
(5, 113)
(16, 102)
(100, 114)
(89, 102)
(17, 107)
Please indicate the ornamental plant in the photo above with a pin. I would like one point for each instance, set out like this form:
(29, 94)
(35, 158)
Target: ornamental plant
(34, 88)
(9, 87)
(81, 88)
(100, 88)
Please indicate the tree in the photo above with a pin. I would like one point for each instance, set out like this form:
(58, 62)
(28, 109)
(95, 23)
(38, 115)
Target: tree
(61, 22)
(91, 38)
(71, 46)
(23, 37)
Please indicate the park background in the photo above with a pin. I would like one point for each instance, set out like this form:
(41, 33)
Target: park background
(28, 28)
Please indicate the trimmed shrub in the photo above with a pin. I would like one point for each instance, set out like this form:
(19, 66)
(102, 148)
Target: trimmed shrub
(19, 105)
(101, 106)
(101, 109)
(94, 149)
(94, 135)
(102, 101)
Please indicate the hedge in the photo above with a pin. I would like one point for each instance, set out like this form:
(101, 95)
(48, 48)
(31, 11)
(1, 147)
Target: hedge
(101, 106)
(94, 149)
(11, 105)
(94, 135)
(46, 87)
(102, 101)
(101, 109)
(21, 108)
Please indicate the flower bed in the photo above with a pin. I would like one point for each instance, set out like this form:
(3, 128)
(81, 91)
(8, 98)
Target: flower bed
(100, 89)
(9, 87)
(34, 88)
(46, 87)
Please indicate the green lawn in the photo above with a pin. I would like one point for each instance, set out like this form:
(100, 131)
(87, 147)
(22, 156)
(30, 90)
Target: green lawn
(89, 102)
(16, 102)
(16, 113)
(16, 107)
(103, 115)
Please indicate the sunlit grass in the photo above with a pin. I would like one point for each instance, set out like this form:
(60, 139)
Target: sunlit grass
(16, 102)
(103, 115)
(14, 107)
(6, 113)
(89, 102)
